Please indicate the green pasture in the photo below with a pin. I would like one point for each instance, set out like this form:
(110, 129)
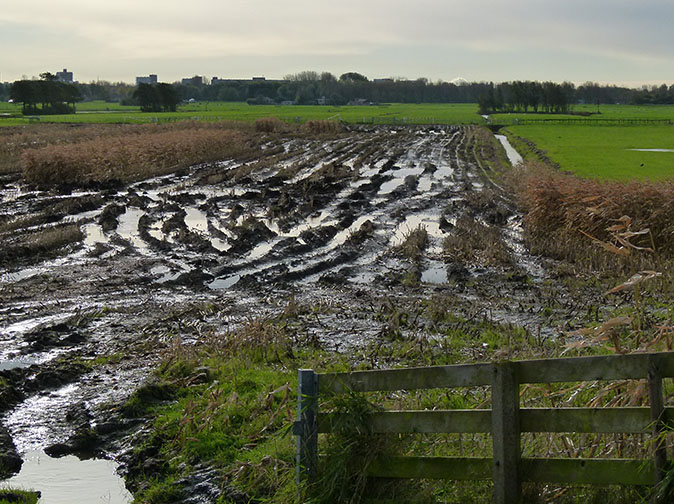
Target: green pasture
(398, 113)
(604, 151)
(611, 112)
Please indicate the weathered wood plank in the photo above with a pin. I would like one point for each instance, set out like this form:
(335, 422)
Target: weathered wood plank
(397, 422)
(585, 420)
(307, 412)
(657, 416)
(605, 367)
(505, 399)
(600, 420)
(454, 468)
(465, 375)
(588, 471)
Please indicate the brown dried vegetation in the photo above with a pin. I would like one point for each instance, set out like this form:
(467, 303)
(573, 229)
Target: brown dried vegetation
(130, 157)
(598, 222)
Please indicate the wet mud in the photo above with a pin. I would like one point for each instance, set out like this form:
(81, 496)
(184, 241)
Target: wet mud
(179, 257)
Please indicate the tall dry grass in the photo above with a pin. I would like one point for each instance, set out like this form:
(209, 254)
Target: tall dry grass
(566, 214)
(16, 140)
(127, 157)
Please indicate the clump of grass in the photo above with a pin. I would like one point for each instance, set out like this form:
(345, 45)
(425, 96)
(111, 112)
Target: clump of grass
(322, 127)
(472, 242)
(414, 243)
(11, 496)
(270, 125)
(129, 157)
(43, 241)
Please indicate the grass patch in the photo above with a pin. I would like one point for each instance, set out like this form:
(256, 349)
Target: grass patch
(11, 496)
(476, 243)
(389, 113)
(41, 242)
(604, 152)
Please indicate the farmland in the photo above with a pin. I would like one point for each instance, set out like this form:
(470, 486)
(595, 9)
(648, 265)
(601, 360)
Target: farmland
(603, 152)
(423, 113)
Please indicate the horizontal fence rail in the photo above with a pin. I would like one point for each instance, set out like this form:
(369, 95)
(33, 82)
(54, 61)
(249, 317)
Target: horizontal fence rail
(505, 421)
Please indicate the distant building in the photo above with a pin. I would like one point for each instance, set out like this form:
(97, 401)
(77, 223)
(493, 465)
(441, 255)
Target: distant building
(382, 80)
(65, 76)
(197, 80)
(259, 78)
(215, 80)
(150, 79)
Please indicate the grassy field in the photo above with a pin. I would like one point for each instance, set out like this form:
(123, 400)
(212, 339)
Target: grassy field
(654, 112)
(102, 112)
(605, 152)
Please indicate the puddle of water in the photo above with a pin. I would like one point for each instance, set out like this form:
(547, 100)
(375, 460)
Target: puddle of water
(652, 150)
(224, 283)
(93, 234)
(18, 363)
(196, 220)
(513, 156)
(128, 228)
(391, 185)
(435, 274)
(68, 479)
(17, 276)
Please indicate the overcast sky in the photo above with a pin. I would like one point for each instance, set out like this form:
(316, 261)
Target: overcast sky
(609, 41)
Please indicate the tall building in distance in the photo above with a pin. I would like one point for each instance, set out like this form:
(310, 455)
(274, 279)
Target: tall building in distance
(149, 79)
(65, 76)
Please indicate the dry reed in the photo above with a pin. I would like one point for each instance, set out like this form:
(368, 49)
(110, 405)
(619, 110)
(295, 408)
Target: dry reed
(130, 157)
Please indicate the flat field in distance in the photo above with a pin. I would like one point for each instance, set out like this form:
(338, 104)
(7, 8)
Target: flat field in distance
(605, 152)
(606, 112)
(397, 113)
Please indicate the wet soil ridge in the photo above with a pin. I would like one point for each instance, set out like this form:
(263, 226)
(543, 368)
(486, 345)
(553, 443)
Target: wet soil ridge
(348, 222)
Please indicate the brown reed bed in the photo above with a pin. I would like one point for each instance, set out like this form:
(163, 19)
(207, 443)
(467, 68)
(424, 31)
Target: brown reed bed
(602, 223)
(130, 157)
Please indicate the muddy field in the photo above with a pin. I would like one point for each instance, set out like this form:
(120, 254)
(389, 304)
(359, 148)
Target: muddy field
(324, 223)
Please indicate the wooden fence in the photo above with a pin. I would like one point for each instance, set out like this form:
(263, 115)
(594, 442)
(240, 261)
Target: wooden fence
(505, 421)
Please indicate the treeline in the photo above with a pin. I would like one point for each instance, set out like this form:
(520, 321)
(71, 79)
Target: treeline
(45, 96)
(156, 97)
(307, 88)
(526, 96)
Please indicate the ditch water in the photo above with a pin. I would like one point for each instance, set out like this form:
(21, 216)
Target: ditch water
(513, 156)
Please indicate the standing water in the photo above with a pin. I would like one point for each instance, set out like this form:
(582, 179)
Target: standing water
(513, 156)
(68, 479)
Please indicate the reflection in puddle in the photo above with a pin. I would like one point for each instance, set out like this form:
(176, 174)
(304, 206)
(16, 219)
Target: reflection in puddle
(196, 220)
(224, 283)
(93, 234)
(68, 479)
(128, 228)
(513, 156)
(652, 150)
(435, 274)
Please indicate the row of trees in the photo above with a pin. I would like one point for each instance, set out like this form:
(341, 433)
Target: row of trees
(525, 96)
(48, 95)
(156, 97)
(45, 96)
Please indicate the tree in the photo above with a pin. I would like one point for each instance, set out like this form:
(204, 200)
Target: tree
(352, 77)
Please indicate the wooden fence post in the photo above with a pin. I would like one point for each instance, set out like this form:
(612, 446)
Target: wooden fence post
(657, 413)
(506, 433)
(307, 428)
